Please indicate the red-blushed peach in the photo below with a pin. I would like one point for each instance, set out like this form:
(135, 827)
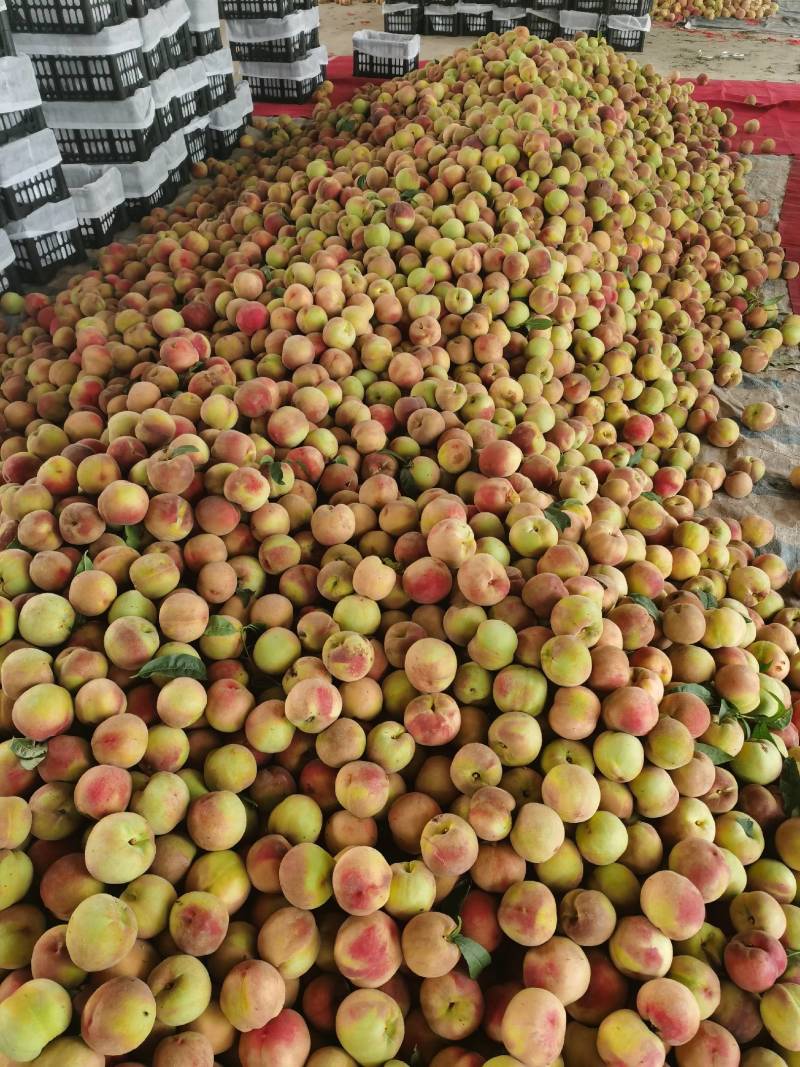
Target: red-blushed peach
(483, 580)
(290, 940)
(304, 876)
(367, 949)
(533, 1027)
(452, 1005)
(252, 994)
(670, 1009)
(639, 950)
(430, 665)
(624, 1039)
(370, 1026)
(183, 1050)
(560, 966)
(449, 845)
(198, 922)
(755, 960)
(428, 946)
(700, 979)
(118, 1016)
(703, 864)
(361, 880)
(587, 916)
(711, 1044)
(527, 913)
(673, 904)
(284, 1041)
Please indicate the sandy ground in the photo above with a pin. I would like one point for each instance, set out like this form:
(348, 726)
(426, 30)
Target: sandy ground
(691, 52)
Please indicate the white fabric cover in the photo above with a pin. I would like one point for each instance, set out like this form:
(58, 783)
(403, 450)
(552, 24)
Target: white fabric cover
(142, 179)
(298, 70)
(18, 88)
(175, 14)
(220, 62)
(94, 190)
(135, 113)
(50, 218)
(28, 156)
(203, 15)
(387, 45)
(108, 42)
(176, 150)
(246, 31)
(7, 256)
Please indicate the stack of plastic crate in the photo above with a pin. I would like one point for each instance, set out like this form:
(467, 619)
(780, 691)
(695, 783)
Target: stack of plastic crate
(624, 23)
(277, 44)
(402, 16)
(206, 38)
(229, 122)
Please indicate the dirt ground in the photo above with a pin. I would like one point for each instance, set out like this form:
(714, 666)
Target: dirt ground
(691, 52)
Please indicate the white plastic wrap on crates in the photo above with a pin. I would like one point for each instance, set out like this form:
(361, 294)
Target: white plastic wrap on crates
(111, 41)
(135, 113)
(142, 179)
(544, 11)
(18, 88)
(220, 62)
(175, 14)
(296, 70)
(508, 12)
(50, 218)
(27, 157)
(152, 27)
(94, 190)
(203, 15)
(579, 21)
(245, 31)
(7, 256)
(244, 95)
(176, 150)
(387, 45)
(470, 9)
(438, 9)
(639, 24)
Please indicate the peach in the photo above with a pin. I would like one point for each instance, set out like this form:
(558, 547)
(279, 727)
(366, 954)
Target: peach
(304, 875)
(534, 1026)
(624, 1038)
(673, 904)
(118, 1016)
(361, 880)
(639, 950)
(560, 966)
(252, 994)
(754, 960)
(367, 949)
(452, 1005)
(182, 989)
(369, 1026)
(527, 913)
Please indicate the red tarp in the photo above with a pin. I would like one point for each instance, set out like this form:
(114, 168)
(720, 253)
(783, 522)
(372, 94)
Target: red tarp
(777, 108)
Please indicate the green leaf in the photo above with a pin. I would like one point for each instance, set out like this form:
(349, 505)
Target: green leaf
(694, 689)
(789, 785)
(774, 722)
(652, 496)
(646, 603)
(538, 322)
(558, 518)
(718, 756)
(181, 665)
(454, 901)
(14, 543)
(473, 954)
(708, 600)
(219, 626)
(29, 753)
(361, 181)
(748, 825)
(184, 450)
(762, 732)
(133, 536)
(408, 487)
(636, 457)
(244, 594)
(408, 194)
(84, 564)
(340, 461)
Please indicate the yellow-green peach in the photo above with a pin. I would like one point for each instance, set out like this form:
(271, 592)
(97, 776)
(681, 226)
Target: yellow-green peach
(602, 838)
(369, 1026)
(100, 932)
(252, 994)
(119, 848)
(182, 989)
(623, 1038)
(150, 898)
(673, 905)
(700, 979)
(290, 940)
(305, 876)
(32, 1016)
(639, 950)
(118, 1016)
(538, 832)
(452, 1005)
(16, 876)
(572, 792)
(527, 913)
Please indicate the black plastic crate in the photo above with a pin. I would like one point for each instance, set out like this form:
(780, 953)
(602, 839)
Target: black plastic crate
(475, 23)
(441, 24)
(140, 206)
(9, 278)
(223, 142)
(543, 28)
(65, 16)
(156, 61)
(276, 91)
(89, 77)
(29, 194)
(402, 20)
(204, 42)
(137, 9)
(108, 144)
(504, 23)
(98, 232)
(178, 47)
(637, 8)
(279, 50)
(221, 90)
(189, 106)
(625, 40)
(166, 119)
(197, 144)
(16, 124)
(256, 9)
(6, 39)
(39, 258)
(367, 66)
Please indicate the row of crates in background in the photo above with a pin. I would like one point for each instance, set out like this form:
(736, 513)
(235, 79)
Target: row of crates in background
(623, 31)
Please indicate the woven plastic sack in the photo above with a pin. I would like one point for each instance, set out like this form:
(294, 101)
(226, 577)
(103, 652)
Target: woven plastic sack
(18, 88)
(640, 24)
(94, 190)
(579, 21)
(50, 218)
(142, 179)
(203, 15)
(220, 62)
(244, 31)
(111, 41)
(297, 70)
(135, 113)
(27, 157)
(175, 14)
(176, 150)
(7, 256)
(386, 45)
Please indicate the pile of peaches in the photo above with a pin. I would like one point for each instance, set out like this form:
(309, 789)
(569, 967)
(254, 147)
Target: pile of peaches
(681, 10)
(381, 684)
